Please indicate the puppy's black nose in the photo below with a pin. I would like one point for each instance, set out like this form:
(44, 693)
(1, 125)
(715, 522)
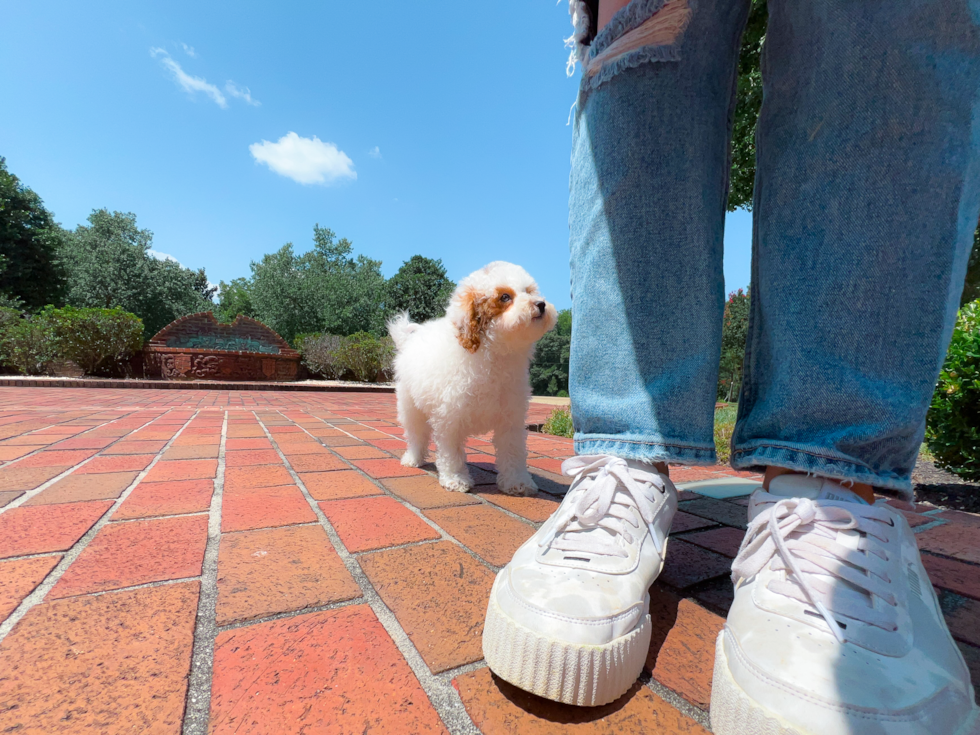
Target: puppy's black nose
(540, 305)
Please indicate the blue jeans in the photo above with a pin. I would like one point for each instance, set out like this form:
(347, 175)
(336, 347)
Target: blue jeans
(866, 200)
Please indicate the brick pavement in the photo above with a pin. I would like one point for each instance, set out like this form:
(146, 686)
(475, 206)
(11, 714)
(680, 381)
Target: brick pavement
(259, 562)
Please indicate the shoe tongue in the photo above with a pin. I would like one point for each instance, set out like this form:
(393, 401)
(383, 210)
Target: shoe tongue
(814, 488)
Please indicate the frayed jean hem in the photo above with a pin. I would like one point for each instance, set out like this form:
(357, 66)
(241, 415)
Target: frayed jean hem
(646, 451)
(815, 462)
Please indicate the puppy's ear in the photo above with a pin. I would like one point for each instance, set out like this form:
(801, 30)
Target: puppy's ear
(470, 318)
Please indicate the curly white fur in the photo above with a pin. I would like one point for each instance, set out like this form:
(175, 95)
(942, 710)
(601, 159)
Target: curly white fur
(467, 374)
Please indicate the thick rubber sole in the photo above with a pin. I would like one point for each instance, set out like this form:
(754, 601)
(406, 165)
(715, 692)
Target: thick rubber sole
(733, 712)
(583, 675)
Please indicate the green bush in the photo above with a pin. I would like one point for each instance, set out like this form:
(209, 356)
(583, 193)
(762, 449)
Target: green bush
(362, 356)
(8, 316)
(319, 354)
(367, 358)
(27, 344)
(95, 338)
(559, 423)
(953, 423)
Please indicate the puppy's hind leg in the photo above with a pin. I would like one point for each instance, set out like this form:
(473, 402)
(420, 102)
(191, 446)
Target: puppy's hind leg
(510, 442)
(451, 459)
(417, 431)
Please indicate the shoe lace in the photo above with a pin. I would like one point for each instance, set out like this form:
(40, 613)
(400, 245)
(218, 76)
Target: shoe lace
(804, 536)
(604, 492)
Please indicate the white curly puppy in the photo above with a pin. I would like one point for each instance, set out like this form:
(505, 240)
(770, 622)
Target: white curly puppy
(467, 373)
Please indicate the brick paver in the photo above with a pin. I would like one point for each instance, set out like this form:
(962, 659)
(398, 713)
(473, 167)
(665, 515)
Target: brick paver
(150, 499)
(261, 573)
(19, 577)
(439, 595)
(356, 623)
(107, 663)
(336, 672)
(137, 552)
(374, 523)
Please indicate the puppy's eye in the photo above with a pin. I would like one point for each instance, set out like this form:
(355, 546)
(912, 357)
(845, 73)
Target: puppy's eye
(504, 298)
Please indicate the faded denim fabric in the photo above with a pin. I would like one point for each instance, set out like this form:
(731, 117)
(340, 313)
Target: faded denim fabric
(867, 197)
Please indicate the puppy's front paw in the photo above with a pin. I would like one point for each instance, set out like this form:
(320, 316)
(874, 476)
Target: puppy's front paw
(410, 459)
(521, 486)
(456, 483)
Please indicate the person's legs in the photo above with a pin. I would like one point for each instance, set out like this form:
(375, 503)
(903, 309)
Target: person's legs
(569, 616)
(867, 197)
(646, 216)
(866, 202)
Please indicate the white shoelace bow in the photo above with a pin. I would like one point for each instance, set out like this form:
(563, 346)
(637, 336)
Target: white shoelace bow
(804, 535)
(600, 505)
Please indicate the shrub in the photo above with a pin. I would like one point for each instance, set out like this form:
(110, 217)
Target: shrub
(953, 423)
(367, 358)
(362, 356)
(95, 338)
(559, 423)
(319, 353)
(8, 315)
(27, 344)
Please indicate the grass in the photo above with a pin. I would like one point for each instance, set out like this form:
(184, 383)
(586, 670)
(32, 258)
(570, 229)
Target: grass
(724, 426)
(559, 423)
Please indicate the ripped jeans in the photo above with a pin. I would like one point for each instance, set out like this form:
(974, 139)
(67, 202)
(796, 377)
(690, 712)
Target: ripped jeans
(866, 200)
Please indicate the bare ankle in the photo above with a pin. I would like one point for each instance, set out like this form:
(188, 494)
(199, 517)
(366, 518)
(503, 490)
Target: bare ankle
(862, 490)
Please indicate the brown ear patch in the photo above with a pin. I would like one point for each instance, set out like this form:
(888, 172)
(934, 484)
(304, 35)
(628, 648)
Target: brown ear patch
(482, 309)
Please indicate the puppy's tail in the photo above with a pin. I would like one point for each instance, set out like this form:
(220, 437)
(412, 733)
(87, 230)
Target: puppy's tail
(400, 327)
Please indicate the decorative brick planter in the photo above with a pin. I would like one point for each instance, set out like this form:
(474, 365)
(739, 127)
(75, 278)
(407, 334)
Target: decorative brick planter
(198, 347)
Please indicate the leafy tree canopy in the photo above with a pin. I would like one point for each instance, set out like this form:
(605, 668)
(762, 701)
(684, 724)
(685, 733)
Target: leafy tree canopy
(326, 289)
(108, 266)
(734, 332)
(233, 299)
(421, 288)
(549, 367)
(749, 100)
(30, 273)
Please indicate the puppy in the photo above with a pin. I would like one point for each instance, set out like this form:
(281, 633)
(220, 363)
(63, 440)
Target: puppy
(467, 373)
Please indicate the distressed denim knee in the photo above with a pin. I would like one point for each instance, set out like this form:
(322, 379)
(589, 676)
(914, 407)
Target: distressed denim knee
(643, 31)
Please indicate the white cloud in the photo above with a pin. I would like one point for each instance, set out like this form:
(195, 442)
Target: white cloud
(186, 82)
(243, 93)
(189, 50)
(305, 160)
(375, 152)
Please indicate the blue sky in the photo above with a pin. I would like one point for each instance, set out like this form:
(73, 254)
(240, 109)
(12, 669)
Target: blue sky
(435, 128)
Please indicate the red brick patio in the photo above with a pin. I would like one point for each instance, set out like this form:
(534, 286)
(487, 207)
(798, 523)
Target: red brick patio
(259, 562)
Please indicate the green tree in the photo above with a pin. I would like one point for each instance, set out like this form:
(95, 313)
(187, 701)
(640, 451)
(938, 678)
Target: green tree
(734, 331)
(326, 289)
(420, 287)
(549, 366)
(233, 299)
(749, 100)
(30, 271)
(109, 266)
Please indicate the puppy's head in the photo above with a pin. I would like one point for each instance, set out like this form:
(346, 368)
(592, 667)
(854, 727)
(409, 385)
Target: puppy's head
(500, 303)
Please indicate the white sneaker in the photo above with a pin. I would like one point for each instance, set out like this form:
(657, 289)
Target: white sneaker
(835, 627)
(569, 616)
